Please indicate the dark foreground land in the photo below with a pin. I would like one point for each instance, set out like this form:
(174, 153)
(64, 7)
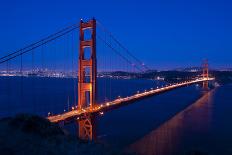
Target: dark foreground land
(33, 135)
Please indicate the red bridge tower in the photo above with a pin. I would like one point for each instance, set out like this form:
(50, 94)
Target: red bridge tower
(87, 73)
(205, 73)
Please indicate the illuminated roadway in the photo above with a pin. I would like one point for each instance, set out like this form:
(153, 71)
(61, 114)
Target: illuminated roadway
(121, 101)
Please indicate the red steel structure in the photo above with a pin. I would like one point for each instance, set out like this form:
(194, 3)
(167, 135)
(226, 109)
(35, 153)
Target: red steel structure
(205, 74)
(87, 75)
(87, 71)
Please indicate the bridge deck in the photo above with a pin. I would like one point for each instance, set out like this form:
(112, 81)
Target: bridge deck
(121, 101)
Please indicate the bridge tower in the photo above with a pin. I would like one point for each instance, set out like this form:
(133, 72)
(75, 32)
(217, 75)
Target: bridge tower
(87, 73)
(205, 73)
(87, 127)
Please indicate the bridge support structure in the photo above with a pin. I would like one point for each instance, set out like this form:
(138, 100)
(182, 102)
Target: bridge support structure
(87, 67)
(205, 74)
(87, 127)
(87, 75)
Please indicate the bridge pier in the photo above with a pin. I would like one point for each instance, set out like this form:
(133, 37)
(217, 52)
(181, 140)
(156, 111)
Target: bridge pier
(205, 85)
(86, 127)
(205, 74)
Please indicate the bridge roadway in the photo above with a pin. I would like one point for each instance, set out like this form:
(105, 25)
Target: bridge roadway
(120, 101)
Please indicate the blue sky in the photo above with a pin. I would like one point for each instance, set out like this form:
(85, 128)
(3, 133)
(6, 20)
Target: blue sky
(164, 34)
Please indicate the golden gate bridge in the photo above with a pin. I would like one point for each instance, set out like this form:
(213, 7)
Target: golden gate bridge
(56, 57)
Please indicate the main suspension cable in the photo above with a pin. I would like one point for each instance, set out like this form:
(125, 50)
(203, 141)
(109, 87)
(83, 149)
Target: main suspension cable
(120, 44)
(118, 53)
(32, 46)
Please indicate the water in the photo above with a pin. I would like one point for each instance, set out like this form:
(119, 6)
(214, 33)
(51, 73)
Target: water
(203, 126)
(42, 95)
(183, 120)
(125, 125)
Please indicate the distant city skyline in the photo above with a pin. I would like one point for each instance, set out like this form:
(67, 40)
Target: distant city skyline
(164, 34)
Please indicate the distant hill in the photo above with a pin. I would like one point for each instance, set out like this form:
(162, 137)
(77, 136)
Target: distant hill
(175, 75)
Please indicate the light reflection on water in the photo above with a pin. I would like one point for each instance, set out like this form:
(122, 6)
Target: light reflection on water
(166, 139)
(119, 128)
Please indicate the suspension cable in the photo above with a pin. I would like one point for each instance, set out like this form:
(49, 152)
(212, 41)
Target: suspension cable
(118, 53)
(120, 44)
(12, 56)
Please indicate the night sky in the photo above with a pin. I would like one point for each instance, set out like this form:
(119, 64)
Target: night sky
(164, 34)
